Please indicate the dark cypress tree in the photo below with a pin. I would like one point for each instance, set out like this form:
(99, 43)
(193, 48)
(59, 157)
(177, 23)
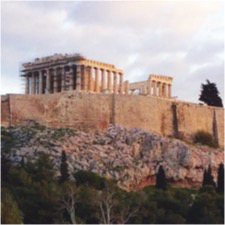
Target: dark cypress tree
(205, 177)
(64, 169)
(208, 178)
(220, 180)
(22, 164)
(210, 94)
(161, 179)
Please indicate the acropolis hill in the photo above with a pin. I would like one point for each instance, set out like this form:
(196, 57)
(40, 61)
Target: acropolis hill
(75, 92)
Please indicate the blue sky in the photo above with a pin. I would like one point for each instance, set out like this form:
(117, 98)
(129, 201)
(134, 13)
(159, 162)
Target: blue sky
(182, 39)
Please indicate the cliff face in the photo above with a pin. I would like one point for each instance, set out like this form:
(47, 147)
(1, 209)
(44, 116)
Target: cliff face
(130, 156)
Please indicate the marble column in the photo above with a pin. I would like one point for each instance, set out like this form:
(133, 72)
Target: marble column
(32, 83)
(169, 91)
(48, 82)
(84, 78)
(71, 79)
(55, 80)
(78, 77)
(27, 88)
(90, 81)
(126, 87)
(40, 82)
(149, 87)
(121, 83)
(115, 83)
(96, 80)
(63, 79)
(109, 82)
(155, 88)
(103, 80)
(160, 90)
(164, 90)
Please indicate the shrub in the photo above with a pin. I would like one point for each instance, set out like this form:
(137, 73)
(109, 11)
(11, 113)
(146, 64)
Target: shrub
(204, 138)
(89, 178)
(11, 214)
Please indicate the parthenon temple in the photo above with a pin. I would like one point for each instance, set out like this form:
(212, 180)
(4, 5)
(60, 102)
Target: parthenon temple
(58, 73)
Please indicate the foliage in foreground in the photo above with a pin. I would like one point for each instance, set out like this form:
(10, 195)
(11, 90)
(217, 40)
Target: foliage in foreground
(31, 194)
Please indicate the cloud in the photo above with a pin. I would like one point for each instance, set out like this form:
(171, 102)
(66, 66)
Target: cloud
(180, 39)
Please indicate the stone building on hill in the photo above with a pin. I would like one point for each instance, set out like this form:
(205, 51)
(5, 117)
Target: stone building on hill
(58, 73)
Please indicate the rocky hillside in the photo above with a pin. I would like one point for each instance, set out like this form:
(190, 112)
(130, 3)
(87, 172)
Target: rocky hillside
(130, 156)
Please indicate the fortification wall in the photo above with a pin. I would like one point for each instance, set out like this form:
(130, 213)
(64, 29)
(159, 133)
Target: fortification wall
(95, 112)
(169, 118)
(148, 113)
(194, 117)
(5, 120)
(86, 112)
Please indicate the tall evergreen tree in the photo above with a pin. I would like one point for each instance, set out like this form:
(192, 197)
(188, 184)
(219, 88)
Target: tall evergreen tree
(64, 168)
(210, 94)
(205, 177)
(161, 179)
(208, 178)
(220, 180)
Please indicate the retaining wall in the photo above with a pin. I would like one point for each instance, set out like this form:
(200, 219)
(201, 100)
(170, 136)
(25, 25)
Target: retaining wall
(95, 112)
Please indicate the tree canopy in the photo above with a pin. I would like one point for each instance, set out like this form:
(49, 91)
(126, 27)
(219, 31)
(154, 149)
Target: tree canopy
(220, 180)
(64, 168)
(210, 94)
(161, 179)
(208, 178)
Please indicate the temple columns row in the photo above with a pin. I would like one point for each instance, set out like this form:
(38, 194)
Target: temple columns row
(159, 89)
(83, 75)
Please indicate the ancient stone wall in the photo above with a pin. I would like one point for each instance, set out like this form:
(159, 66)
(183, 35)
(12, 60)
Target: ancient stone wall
(70, 109)
(95, 112)
(5, 120)
(177, 119)
(148, 113)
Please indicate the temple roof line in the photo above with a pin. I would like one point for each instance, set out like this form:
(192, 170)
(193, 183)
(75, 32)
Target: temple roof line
(60, 59)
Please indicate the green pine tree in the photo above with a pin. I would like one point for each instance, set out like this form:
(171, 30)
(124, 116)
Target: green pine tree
(205, 177)
(64, 168)
(210, 94)
(220, 180)
(161, 179)
(208, 178)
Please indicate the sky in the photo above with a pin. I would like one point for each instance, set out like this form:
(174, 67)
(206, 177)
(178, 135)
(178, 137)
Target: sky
(182, 39)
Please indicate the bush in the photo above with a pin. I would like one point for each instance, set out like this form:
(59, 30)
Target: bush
(89, 178)
(204, 138)
(11, 214)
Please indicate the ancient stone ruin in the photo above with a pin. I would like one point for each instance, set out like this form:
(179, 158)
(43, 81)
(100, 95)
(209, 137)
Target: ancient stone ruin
(60, 73)
(65, 91)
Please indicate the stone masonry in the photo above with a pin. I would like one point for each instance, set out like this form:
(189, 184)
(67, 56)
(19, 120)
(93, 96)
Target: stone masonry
(156, 85)
(60, 73)
(83, 101)
(95, 111)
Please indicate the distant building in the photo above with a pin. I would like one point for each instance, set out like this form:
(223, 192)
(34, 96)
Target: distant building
(60, 73)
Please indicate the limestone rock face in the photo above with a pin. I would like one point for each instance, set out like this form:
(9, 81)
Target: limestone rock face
(130, 156)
